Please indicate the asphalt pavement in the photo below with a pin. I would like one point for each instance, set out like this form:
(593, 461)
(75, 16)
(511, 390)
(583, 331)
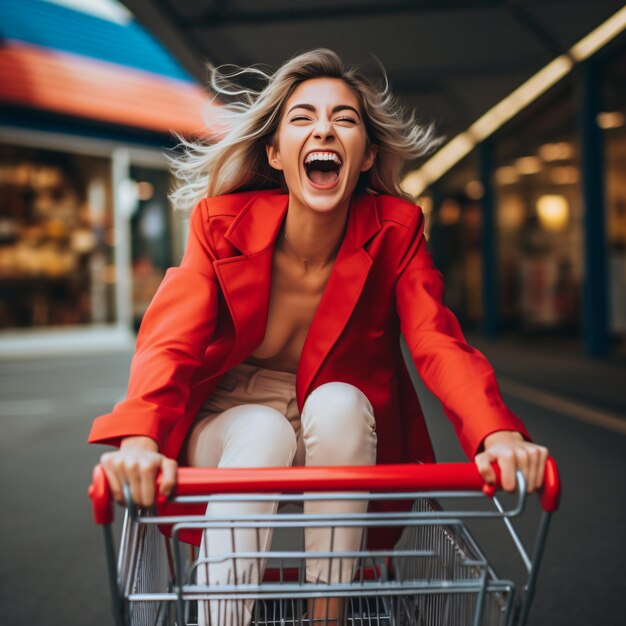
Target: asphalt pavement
(52, 568)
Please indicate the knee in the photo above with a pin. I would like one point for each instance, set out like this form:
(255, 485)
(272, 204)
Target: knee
(264, 436)
(339, 404)
(342, 416)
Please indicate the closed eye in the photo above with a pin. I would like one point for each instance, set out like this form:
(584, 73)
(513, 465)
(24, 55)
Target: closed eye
(339, 119)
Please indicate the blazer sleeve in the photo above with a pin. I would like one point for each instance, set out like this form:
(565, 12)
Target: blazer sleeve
(458, 374)
(174, 333)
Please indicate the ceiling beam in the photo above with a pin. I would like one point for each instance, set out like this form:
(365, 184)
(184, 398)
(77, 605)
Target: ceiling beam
(223, 14)
(535, 28)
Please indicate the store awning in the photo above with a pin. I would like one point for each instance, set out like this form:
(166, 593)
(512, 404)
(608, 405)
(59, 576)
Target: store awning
(57, 59)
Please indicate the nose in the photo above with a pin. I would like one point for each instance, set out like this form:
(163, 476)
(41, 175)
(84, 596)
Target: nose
(323, 129)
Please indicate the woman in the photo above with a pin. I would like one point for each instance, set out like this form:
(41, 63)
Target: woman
(277, 340)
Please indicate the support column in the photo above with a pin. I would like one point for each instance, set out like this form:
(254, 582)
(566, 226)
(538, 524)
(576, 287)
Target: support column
(490, 294)
(123, 206)
(595, 309)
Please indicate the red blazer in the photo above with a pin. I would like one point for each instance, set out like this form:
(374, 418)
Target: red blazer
(210, 314)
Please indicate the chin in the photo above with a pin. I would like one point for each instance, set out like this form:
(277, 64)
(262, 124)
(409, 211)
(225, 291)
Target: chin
(325, 201)
(321, 202)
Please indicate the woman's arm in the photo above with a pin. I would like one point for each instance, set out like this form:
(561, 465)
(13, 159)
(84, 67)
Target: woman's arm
(171, 342)
(458, 374)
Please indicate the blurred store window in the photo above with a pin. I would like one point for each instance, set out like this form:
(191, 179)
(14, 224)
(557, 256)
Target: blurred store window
(613, 122)
(56, 248)
(151, 241)
(455, 239)
(539, 213)
(86, 228)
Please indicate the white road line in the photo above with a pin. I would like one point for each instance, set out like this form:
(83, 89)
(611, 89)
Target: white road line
(568, 408)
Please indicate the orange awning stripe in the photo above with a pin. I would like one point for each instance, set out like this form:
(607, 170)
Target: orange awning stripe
(75, 85)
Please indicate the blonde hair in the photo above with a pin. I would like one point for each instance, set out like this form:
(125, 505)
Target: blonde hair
(237, 160)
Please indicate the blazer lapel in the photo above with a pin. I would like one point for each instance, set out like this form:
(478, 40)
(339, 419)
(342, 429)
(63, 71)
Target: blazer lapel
(246, 278)
(341, 294)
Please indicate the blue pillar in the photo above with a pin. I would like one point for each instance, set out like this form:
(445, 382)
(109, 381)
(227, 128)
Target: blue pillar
(595, 309)
(489, 250)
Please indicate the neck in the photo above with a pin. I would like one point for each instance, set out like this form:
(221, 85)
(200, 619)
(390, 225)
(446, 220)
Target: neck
(312, 236)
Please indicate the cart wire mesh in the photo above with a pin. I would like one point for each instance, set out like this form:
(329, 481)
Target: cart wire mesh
(436, 573)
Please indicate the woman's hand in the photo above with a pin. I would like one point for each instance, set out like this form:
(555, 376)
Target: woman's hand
(137, 463)
(512, 452)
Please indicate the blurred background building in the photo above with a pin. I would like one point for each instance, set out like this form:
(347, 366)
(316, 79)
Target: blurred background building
(547, 193)
(525, 203)
(89, 101)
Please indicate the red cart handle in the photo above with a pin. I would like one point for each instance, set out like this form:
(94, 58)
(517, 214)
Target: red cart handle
(385, 478)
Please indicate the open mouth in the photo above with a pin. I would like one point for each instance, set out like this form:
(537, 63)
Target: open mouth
(323, 168)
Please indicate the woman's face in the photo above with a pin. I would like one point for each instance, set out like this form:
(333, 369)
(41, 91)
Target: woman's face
(320, 144)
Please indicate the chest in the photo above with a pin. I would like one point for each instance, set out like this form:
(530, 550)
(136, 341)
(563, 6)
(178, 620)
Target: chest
(294, 298)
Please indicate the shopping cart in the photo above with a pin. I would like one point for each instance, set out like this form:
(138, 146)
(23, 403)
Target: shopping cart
(436, 573)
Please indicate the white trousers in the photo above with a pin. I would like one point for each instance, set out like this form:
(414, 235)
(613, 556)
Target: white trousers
(252, 420)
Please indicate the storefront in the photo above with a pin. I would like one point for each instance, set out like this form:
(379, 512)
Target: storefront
(536, 180)
(59, 240)
(86, 227)
(539, 217)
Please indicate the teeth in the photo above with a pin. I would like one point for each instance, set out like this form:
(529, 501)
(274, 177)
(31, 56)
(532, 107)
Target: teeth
(322, 156)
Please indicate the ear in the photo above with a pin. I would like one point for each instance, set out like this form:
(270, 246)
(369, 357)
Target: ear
(273, 157)
(370, 156)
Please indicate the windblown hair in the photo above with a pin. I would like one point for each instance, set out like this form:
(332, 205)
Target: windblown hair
(249, 117)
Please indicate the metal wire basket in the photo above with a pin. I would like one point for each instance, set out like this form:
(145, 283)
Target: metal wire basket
(436, 573)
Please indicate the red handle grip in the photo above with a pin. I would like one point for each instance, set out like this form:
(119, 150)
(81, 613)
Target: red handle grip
(101, 497)
(385, 478)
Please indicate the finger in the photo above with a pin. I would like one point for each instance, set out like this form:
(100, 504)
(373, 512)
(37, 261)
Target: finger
(168, 476)
(506, 461)
(543, 457)
(533, 461)
(483, 464)
(522, 462)
(115, 483)
(148, 471)
(133, 478)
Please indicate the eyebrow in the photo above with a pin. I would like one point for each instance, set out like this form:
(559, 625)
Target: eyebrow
(310, 107)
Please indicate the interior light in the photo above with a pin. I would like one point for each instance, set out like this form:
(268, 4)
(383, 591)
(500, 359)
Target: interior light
(474, 190)
(506, 175)
(553, 211)
(521, 97)
(564, 175)
(414, 183)
(599, 36)
(511, 212)
(611, 119)
(558, 151)
(528, 165)
(517, 100)
(449, 212)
